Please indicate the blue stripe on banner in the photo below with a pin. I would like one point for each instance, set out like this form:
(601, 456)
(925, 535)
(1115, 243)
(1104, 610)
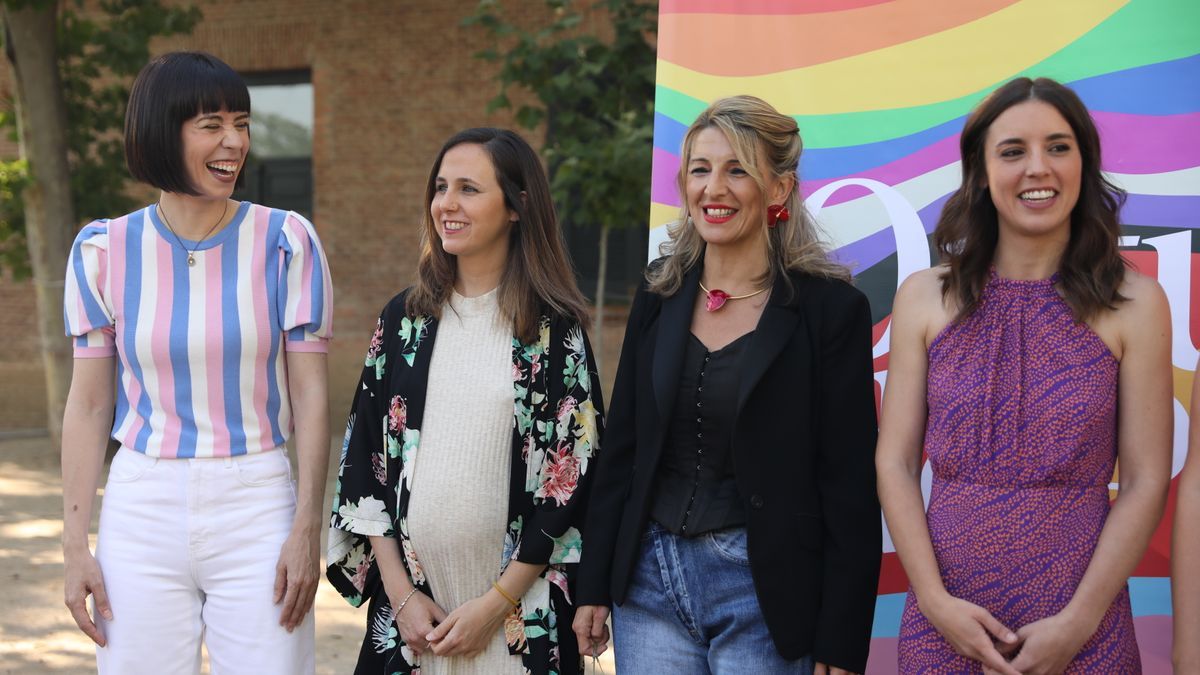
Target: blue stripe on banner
(134, 231)
(888, 609)
(96, 315)
(231, 335)
(274, 236)
(1150, 596)
(1146, 90)
(178, 348)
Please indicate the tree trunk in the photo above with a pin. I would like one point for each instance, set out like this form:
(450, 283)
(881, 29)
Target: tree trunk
(601, 284)
(49, 211)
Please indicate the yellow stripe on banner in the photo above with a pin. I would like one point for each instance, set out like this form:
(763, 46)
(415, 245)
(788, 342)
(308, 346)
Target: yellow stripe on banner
(940, 67)
(661, 214)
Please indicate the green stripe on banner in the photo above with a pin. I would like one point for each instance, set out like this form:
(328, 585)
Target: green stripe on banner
(1141, 33)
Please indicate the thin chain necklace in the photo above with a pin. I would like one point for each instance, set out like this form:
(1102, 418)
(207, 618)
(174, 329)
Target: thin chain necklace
(716, 298)
(192, 251)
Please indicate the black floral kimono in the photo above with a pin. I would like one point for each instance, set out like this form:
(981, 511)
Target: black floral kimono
(557, 415)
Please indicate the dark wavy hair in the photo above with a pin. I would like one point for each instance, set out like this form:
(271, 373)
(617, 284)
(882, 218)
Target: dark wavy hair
(1091, 269)
(539, 276)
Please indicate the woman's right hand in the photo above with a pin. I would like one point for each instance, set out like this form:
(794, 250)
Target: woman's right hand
(418, 616)
(591, 630)
(973, 632)
(82, 578)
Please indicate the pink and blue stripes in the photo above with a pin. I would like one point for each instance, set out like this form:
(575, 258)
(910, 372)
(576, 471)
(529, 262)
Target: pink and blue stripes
(200, 350)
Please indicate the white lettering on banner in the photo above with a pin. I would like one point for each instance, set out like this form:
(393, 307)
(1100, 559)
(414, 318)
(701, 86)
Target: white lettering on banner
(912, 255)
(912, 248)
(1175, 277)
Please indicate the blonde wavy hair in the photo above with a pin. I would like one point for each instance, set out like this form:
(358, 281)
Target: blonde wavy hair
(764, 140)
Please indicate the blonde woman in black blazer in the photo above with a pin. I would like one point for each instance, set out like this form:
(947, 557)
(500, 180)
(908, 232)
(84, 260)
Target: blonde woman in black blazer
(734, 522)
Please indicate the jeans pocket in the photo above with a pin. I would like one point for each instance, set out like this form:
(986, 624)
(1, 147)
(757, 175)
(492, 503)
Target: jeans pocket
(268, 468)
(730, 544)
(129, 465)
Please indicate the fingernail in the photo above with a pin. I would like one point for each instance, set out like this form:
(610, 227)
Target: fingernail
(107, 614)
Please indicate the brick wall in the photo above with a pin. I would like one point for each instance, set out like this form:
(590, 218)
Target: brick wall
(392, 80)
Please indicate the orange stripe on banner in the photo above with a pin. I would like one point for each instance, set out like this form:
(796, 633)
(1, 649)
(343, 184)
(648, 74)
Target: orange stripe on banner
(769, 44)
(761, 6)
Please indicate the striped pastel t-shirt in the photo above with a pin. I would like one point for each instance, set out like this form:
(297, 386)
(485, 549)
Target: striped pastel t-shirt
(200, 349)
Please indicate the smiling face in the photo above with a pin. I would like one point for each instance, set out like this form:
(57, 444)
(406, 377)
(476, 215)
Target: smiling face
(1033, 168)
(214, 151)
(724, 200)
(468, 207)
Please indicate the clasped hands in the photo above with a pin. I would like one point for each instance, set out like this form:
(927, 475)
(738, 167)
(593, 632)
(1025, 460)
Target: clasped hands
(1044, 647)
(426, 627)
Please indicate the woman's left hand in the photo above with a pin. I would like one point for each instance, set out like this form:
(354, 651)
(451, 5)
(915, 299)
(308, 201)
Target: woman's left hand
(296, 576)
(1048, 645)
(470, 627)
(822, 669)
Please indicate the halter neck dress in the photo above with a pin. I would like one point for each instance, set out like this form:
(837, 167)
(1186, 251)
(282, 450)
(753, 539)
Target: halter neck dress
(1021, 436)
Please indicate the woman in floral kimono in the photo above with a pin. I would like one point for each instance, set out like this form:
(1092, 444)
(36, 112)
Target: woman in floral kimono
(465, 464)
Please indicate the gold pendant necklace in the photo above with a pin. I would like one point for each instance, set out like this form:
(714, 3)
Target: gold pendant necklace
(191, 253)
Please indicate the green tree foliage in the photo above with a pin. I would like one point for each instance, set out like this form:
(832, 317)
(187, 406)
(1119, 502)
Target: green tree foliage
(596, 98)
(99, 53)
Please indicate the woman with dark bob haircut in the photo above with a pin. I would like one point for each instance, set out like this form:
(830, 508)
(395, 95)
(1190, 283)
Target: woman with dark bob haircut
(200, 327)
(474, 426)
(1025, 366)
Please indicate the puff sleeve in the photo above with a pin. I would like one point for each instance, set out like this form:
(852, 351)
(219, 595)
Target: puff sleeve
(305, 299)
(87, 312)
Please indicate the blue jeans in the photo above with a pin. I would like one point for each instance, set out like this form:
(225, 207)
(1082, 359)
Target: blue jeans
(691, 609)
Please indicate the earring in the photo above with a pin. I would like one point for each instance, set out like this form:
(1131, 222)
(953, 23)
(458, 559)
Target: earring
(776, 213)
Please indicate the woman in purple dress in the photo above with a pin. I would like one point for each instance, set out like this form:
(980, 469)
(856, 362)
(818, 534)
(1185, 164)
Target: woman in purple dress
(1025, 366)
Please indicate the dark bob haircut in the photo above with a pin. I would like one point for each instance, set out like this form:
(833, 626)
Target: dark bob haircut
(1091, 269)
(170, 90)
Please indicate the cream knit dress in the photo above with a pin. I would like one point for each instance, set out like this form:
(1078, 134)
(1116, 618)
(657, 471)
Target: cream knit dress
(458, 510)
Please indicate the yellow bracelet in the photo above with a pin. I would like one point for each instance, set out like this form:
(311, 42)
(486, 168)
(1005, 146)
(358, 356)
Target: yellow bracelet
(506, 596)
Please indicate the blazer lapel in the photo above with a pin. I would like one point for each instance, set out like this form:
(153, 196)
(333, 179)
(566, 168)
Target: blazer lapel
(775, 327)
(674, 324)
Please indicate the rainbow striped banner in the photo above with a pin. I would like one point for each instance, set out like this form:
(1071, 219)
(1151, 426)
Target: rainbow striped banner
(881, 88)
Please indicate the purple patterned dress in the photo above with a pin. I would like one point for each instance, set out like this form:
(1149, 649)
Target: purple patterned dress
(1021, 437)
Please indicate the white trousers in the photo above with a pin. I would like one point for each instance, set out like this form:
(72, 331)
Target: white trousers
(188, 549)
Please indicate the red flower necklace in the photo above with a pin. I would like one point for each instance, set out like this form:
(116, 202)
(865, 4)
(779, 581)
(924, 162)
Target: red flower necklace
(716, 298)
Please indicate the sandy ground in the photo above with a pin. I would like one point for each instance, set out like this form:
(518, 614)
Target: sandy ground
(37, 634)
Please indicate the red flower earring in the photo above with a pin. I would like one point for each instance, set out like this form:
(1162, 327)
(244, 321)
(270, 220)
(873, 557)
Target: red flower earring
(776, 213)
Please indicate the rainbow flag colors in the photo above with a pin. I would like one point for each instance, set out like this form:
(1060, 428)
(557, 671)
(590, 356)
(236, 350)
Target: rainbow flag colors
(880, 90)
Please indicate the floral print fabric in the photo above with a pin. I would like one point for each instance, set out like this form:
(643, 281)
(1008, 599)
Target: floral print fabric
(557, 416)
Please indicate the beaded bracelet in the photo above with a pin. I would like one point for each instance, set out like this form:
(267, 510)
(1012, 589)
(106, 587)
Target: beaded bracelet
(404, 602)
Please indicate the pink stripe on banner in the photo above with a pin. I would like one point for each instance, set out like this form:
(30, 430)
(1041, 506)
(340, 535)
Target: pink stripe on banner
(253, 274)
(662, 178)
(1148, 144)
(214, 356)
(160, 344)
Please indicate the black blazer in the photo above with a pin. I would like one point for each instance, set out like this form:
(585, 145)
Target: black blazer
(803, 444)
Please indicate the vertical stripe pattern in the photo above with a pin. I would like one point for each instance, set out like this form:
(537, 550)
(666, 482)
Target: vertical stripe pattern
(200, 349)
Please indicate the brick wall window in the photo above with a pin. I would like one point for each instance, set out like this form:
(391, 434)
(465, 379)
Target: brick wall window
(279, 169)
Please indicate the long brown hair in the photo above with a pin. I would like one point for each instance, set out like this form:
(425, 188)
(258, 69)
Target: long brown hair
(538, 277)
(1091, 269)
(751, 125)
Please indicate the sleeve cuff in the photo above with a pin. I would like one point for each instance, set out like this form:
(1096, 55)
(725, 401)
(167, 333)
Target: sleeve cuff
(319, 346)
(101, 352)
